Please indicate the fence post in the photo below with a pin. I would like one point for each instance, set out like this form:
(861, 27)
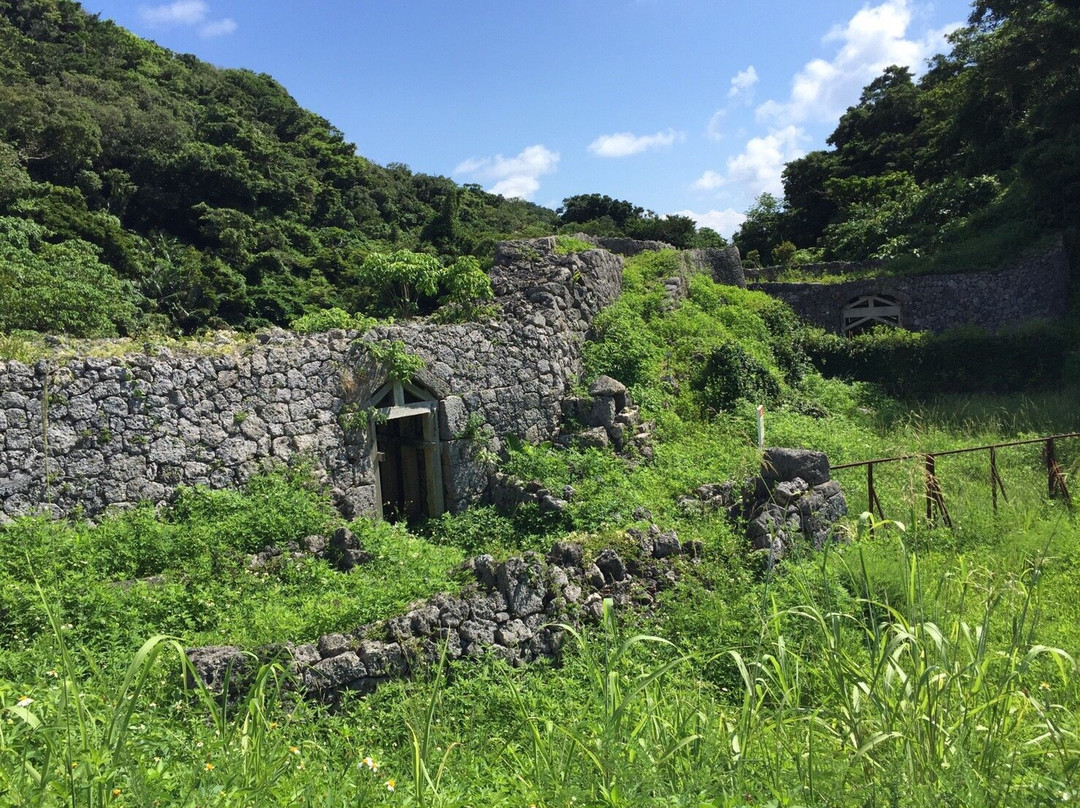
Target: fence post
(870, 487)
(1055, 476)
(934, 495)
(994, 479)
(929, 487)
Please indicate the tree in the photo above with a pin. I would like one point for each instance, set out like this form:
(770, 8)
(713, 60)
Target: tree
(877, 135)
(406, 283)
(808, 208)
(590, 207)
(58, 287)
(762, 227)
(678, 231)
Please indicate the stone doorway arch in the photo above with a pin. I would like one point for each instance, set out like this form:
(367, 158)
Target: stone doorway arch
(404, 437)
(866, 311)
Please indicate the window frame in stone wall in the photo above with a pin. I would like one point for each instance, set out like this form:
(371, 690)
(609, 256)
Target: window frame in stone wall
(879, 309)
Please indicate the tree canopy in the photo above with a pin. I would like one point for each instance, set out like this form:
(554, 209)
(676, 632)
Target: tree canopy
(197, 196)
(978, 157)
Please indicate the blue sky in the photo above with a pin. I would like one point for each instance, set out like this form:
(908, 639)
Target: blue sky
(680, 106)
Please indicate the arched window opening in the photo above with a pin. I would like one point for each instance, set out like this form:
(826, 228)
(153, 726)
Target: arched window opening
(867, 311)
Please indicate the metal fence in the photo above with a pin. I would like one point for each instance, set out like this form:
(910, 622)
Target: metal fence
(935, 498)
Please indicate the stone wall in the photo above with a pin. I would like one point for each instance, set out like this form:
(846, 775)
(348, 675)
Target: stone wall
(1035, 288)
(86, 433)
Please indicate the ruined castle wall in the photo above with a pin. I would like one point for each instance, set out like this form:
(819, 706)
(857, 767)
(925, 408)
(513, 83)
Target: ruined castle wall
(1036, 288)
(82, 433)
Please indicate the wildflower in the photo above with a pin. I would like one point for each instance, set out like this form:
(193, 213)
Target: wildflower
(53, 674)
(25, 701)
(294, 750)
(390, 784)
(1044, 686)
(116, 792)
(209, 767)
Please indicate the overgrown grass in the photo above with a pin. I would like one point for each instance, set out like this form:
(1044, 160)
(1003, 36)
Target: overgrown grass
(941, 693)
(922, 667)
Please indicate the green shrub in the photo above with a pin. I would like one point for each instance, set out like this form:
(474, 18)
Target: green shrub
(622, 347)
(729, 374)
(963, 359)
(567, 245)
(327, 319)
(398, 361)
(58, 288)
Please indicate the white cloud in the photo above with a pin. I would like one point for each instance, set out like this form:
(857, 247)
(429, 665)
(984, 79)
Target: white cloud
(217, 28)
(715, 129)
(708, 181)
(742, 86)
(758, 168)
(873, 39)
(194, 13)
(182, 12)
(724, 222)
(514, 177)
(624, 144)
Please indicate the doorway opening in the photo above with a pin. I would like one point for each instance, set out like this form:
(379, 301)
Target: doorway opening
(404, 435)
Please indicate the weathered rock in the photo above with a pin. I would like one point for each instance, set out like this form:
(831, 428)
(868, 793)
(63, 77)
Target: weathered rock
(303, 657)
(612, 567)
(337, 671)
(219, 667)
(522, 582)
(785, 492)
(595, 438)
(316, 545)
(781, 464)
(331, 645)
(607, 386)
(723, 263)
(565, 554)
(382, 659)
(666, 544)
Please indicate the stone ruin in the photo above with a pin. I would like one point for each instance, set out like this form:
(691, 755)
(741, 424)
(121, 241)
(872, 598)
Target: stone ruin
(514, 610)
(80, 433)
(517, 609)
(792, 499)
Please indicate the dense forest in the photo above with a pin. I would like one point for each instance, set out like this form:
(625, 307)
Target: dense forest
(980, 155)
(145, 189)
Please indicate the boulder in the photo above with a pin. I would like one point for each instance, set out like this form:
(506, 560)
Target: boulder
(780, 464)
(219, 667)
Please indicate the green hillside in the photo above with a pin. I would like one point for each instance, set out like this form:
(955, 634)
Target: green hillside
(140, 189)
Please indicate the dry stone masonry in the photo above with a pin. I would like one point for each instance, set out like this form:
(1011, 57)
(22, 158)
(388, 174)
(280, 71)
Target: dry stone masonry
(87, 433)
(513, 610)
(792, 499)
(1035, 288)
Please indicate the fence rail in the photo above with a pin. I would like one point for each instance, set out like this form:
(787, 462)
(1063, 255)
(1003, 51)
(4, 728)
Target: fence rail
(935, 498)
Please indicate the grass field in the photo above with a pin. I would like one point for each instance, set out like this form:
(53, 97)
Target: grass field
(907, 665)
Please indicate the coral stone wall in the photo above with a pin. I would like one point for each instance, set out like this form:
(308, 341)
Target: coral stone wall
(85, 433)
(1036, 288)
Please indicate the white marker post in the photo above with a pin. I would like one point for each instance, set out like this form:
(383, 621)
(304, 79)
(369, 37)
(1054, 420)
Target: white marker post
(761, 427)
